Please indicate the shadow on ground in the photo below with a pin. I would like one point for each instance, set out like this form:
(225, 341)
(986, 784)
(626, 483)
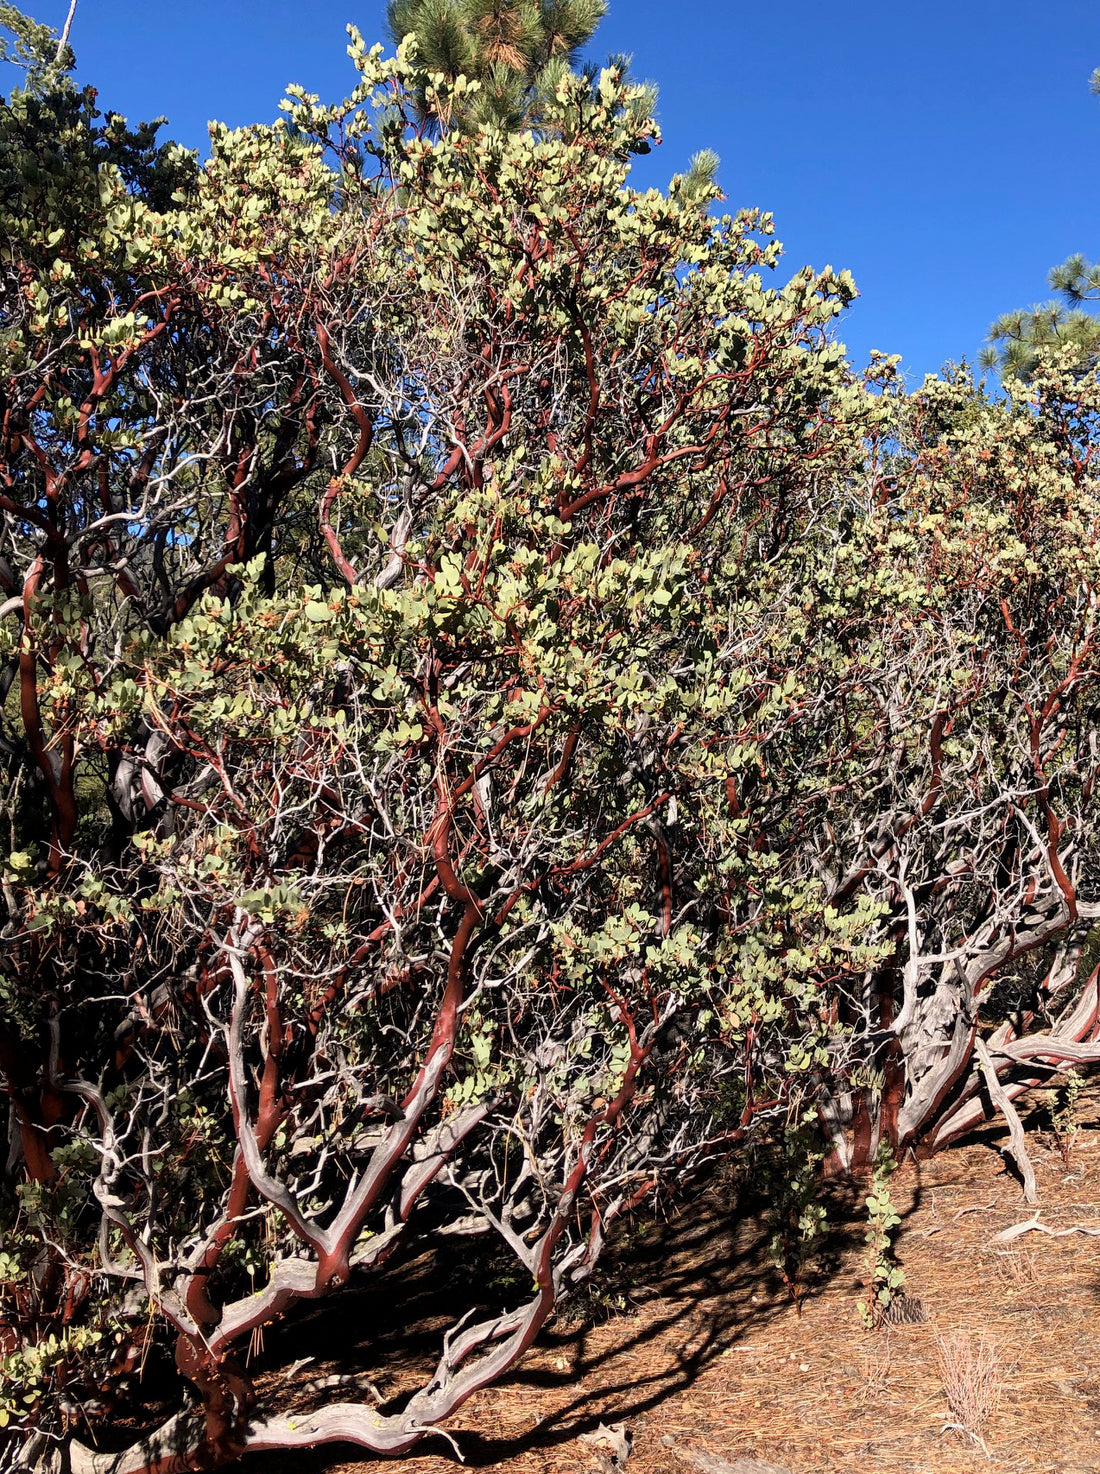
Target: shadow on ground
(681, 1292)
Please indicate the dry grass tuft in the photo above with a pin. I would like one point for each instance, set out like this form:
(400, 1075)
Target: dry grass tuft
(971, 1375)
(1016, 1268)
(875, 1367)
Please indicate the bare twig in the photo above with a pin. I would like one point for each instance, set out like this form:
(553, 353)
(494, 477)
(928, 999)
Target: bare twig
(63, 40)
(1017, 1141)
(1032, 1225)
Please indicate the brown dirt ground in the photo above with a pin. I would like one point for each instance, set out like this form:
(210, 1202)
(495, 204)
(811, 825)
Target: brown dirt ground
(710, 1357)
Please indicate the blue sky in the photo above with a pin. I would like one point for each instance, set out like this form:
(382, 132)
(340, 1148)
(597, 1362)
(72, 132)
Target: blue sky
(945, 153)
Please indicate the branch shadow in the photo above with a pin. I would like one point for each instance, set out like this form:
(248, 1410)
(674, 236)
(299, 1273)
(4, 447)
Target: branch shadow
(693, 1287)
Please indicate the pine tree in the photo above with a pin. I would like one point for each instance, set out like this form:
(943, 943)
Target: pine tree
(1017, 338)
(516, 50)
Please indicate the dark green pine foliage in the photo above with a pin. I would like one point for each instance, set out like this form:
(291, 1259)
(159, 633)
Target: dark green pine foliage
(517, 50)
(1017, 338)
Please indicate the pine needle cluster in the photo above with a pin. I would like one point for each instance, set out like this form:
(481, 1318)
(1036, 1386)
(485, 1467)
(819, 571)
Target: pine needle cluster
(516, 50)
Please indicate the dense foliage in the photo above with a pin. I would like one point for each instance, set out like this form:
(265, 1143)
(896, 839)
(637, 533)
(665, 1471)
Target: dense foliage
(495, 713)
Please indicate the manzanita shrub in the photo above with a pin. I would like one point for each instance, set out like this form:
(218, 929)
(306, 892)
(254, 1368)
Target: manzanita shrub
(495, 712)
(400, 531)
(965, 739)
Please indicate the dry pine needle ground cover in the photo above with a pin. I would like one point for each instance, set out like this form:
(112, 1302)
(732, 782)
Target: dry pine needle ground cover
(701, 1355)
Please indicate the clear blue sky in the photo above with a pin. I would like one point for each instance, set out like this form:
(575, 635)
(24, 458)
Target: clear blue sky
(944, 151)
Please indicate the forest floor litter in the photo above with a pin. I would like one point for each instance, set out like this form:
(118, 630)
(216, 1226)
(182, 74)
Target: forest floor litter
(688, 1354)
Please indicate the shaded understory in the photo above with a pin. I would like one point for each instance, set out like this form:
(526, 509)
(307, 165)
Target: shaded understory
(690, 1337)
